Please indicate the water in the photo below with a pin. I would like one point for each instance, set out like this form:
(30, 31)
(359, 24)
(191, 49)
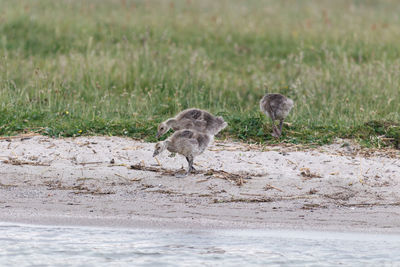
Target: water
(27, 245)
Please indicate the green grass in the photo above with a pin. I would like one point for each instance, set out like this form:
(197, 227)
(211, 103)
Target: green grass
(70, 68)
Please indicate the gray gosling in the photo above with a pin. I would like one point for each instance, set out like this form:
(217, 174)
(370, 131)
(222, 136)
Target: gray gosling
(189, 143)
(277, 107)
(193, 118)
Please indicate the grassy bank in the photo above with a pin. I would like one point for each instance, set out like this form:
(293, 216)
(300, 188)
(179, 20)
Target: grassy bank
(120, 67)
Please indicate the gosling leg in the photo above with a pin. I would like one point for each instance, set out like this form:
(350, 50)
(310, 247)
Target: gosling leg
(280, 127)
(190, 168)
(190, 161)
(275, 131)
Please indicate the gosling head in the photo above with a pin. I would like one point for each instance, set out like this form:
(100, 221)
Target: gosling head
(159, 147)
(165, 126)
(162, 129)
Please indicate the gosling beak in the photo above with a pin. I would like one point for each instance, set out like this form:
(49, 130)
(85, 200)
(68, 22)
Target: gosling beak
(155, 153)
(158, 135)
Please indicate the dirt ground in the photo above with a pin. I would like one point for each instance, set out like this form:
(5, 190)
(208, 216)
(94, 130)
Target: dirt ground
(114, 181)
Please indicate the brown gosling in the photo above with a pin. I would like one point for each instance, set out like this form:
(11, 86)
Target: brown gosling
(189, 143)
(193, 118)
(277, 107)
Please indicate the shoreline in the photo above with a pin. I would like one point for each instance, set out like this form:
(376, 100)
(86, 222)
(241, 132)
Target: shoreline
(273, 231)
(147, 223)
(88, 181)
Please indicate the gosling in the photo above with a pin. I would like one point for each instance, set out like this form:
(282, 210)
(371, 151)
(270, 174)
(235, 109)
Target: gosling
(196, 119)
(188, 143)
(277, 107)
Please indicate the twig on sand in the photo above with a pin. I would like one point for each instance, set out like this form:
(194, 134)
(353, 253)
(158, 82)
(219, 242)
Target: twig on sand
(7, 185)
(361, 205)
(87, 163)
(246, 200)
(159, 164)
(268, 187)
(297, 197)
(202, 181)
(252, 195)
(311, 206)
(142, 167)
(237, 179)
(22, 136)
(119, 175)
(80, 188)
(234, 178)
(137, 147)
(117, 165)
(15, 161)
(292, 162)
(127, 179)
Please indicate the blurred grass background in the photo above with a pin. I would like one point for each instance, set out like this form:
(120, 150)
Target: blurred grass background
(119, 67)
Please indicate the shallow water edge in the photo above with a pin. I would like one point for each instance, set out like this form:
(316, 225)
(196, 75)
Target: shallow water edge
(26, 245)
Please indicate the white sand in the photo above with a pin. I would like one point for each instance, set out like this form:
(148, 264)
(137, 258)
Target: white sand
(71, 181)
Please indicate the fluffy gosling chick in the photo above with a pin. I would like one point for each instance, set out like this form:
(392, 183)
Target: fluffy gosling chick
(277, 107)
(196, 119)
(189, 143)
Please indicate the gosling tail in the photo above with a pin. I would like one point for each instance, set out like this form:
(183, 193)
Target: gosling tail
(222, 122)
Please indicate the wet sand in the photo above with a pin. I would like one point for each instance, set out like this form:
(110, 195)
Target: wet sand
(90, 181)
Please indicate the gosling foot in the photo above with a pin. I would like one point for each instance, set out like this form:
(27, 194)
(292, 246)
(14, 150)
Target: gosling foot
(192, 169)
(181, 175)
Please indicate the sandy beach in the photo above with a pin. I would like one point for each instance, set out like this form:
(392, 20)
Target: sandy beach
(114, 181)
